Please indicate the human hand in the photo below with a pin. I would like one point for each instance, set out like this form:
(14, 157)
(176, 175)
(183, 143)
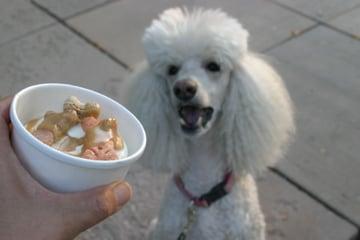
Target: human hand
(30, 211)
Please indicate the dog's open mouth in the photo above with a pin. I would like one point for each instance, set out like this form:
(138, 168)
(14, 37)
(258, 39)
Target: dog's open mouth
(193, 117)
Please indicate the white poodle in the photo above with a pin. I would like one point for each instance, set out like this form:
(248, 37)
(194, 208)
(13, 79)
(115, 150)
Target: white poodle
(216, 115)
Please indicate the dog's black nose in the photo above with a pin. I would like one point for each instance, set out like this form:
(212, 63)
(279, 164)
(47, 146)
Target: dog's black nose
(185, 89)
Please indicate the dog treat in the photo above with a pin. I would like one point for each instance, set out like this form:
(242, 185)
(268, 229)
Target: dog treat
(79, 131)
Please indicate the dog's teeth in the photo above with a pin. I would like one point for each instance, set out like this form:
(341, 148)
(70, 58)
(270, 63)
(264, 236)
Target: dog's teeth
(182, 121)
(199, 120)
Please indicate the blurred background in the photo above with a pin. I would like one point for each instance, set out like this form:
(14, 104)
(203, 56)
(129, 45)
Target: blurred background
(314, 193)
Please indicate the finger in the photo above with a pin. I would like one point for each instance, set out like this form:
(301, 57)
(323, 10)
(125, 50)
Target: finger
(5, 108)
(85, 209)
(4, 120)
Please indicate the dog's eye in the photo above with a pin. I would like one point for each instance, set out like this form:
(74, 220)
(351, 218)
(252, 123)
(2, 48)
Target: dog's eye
(213, 67)
(172, 70)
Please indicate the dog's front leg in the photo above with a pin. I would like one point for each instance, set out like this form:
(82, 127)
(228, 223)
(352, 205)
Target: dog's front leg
(172, 215)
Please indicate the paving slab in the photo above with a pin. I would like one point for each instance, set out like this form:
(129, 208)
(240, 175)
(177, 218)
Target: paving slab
(19, 17)
(349, 22)
(119, 27)
(321, 69)
(67, 8)
(57, 55)
(267, 23)
(320, 9)
(289, 213)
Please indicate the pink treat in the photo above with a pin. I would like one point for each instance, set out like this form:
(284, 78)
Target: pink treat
(89, 122)
(46, 136)
(103, 151)
(89, 154)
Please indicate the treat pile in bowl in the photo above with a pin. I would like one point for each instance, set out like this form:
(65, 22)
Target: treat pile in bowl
(79, 131)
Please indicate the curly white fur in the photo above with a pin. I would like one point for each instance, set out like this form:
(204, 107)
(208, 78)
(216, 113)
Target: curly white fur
(251, 132)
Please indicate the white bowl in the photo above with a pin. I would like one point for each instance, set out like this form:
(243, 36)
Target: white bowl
(54, 169)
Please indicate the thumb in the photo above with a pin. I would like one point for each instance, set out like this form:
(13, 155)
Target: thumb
(83, 210)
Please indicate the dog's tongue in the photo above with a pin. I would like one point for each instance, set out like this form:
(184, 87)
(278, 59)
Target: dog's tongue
(190, 114)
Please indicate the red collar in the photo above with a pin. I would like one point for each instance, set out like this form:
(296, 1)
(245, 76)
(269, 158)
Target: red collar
(215, 193)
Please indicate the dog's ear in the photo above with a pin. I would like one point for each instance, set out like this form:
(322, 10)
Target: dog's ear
(149, 100)
(257, 122)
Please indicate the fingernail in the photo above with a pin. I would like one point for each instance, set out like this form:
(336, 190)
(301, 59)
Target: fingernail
(122, 192)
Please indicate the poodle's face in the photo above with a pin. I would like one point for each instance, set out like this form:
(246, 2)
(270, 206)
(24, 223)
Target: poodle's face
(197, 87)
(194, 53)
